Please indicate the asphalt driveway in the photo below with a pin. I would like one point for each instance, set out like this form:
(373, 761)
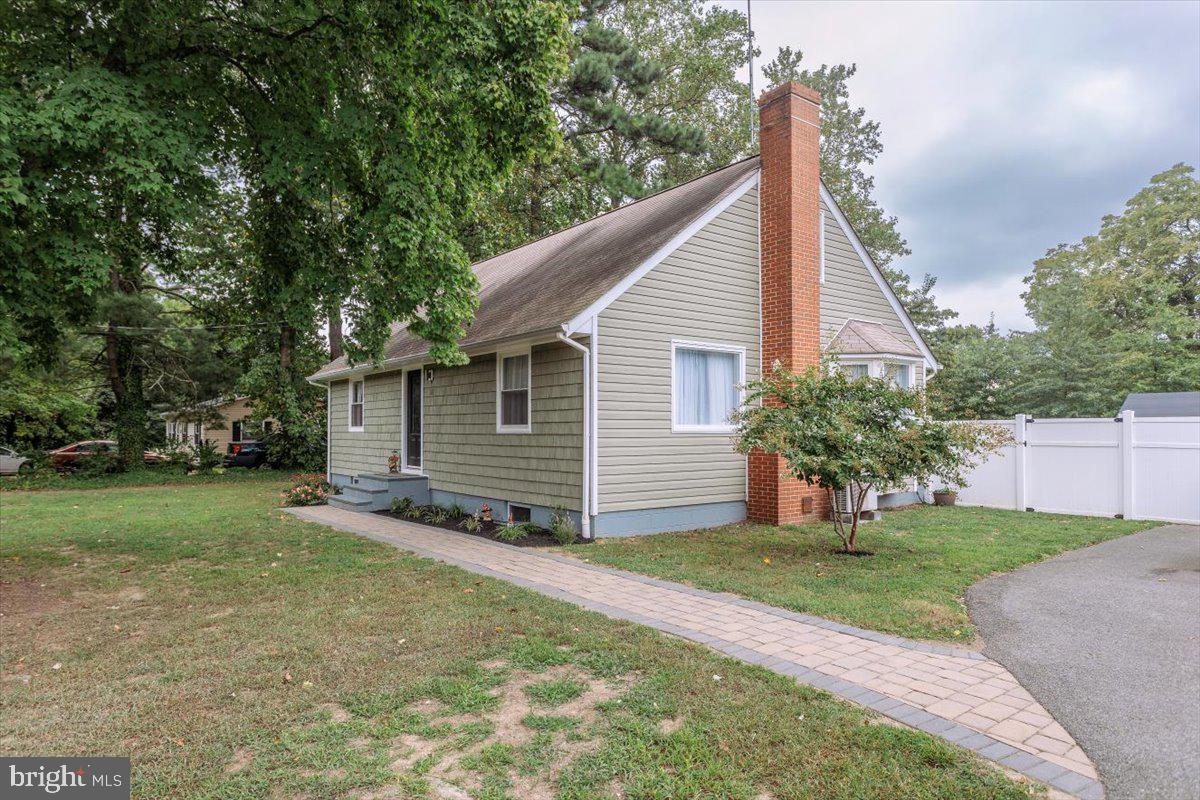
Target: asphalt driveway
(1108, 639)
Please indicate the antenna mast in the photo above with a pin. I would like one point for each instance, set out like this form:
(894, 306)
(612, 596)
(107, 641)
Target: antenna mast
(750, 62)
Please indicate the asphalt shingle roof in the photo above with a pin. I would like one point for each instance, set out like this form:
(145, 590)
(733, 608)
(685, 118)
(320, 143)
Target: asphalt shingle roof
(857, 336)
(1163, 404)
(539, 286)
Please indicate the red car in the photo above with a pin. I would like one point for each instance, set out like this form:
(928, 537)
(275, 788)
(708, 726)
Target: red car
(69, 457)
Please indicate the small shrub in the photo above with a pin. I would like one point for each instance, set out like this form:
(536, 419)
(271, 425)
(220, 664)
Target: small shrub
(561, 526)
(402, 505)
(413, 511)
(308, 490)
(435, 514)
(94, 466)
(457, 511)
(207, 457)
(473, 523)
(513, 531)
(179, 457)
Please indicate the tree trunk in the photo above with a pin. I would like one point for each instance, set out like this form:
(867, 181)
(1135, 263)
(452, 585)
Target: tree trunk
(534, 222)
(125, 382)
(287, 351)
(335, 332)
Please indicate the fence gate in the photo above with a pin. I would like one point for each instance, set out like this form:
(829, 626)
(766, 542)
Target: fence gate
(1145, 468)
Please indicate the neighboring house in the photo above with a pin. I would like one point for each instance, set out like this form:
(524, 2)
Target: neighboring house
(605, 359)
(1163, 404)
(222, 421)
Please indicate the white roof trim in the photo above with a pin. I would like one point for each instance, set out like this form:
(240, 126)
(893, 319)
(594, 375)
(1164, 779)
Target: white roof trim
(875, 357)
(873, 268)
(581, 320)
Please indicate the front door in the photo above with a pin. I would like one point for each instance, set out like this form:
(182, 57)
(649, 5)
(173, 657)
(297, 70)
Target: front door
(412, 419)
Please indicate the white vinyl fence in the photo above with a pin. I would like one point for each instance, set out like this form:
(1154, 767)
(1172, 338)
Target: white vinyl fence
(1146, 468)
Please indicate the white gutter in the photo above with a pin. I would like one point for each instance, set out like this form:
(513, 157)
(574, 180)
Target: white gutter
(585, 505)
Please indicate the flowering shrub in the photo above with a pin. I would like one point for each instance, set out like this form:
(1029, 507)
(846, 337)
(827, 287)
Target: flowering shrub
(310, 490)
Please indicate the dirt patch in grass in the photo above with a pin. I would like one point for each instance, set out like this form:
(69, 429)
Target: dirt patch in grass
(30, 599)
(523, 753)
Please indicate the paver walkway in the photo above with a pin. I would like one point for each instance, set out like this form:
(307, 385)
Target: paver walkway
(956, 694)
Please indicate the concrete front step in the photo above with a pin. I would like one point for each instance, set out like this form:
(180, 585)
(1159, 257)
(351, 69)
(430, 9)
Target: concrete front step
(376, 492)
(344, 502)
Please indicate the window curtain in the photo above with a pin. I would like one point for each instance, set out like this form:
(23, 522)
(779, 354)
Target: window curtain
(705, 386)
(514, 391)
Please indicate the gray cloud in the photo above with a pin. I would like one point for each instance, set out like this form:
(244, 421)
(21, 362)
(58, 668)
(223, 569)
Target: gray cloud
(1008, 127)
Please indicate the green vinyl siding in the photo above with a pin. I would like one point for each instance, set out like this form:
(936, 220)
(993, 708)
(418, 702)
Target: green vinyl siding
(462, 451)
(465, 454)
(356, 452)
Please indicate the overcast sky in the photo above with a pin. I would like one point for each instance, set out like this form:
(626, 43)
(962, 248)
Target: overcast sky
(1007, 127)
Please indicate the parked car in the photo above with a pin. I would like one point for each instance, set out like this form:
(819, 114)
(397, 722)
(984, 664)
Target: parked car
(73, 455)
(246, 454)
(11, 463)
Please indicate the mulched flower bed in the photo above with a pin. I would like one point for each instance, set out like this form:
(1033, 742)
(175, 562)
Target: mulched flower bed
(540, 537)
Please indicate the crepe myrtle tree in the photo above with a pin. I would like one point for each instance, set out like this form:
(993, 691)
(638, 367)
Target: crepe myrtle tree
(839, 432)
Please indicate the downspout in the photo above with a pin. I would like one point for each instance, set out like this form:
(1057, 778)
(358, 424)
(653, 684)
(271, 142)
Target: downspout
(594, 343)
(585, 507)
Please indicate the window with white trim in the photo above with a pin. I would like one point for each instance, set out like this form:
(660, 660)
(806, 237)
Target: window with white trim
(705, 387)
(236, 434)
(513, 402)
(898, 374)
(358, 392)
(856, 371)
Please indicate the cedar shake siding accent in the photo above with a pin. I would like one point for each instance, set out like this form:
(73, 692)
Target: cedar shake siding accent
(366, 451)
(706, 291)
(465, 454)
(850, 291)
(462, 451)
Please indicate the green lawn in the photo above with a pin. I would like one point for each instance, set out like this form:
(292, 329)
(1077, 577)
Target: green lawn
(49, 479)
(235, 652)
(913, 585)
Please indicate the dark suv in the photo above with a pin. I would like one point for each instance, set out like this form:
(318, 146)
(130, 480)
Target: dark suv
(246, 454)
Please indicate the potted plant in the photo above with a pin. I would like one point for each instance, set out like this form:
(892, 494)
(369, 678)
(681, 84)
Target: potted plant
(944, 496)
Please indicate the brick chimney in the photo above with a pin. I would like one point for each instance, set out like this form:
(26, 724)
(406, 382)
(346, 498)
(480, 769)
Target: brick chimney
(789, 231)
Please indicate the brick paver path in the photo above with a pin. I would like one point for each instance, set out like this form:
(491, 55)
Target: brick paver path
(958, 695)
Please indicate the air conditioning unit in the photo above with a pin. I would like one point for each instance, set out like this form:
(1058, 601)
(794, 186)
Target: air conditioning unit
(847, 497)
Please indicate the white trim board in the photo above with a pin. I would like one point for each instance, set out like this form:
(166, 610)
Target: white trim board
(873, 268)
(582, 319)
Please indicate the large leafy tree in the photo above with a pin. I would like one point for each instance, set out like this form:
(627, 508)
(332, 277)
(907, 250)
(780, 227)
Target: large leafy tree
(103, 145)
(850, 143)
(354, 135)
(620, 109)
(1117, 312)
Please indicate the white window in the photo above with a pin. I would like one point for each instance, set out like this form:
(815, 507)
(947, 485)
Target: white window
(197, 434)
(236, 435)
(898, 374)
(513, 402)
(357, 397)
(856, 371)
(705, 386)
